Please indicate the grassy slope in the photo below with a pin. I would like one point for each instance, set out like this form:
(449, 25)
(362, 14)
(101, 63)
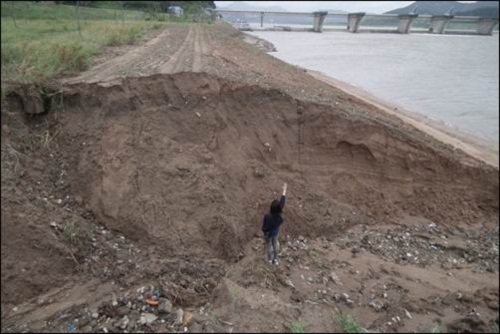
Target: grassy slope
(42, 41)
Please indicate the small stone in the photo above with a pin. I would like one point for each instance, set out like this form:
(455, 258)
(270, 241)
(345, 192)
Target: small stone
(165, 306)
(148, 318)
(196, 328)
(179, 315)
(15, 309)
(95, 315)
(259, 172)
(188, 317)
(335, 278)
(376, 305)
(407, 314)
(123, 311)
(123, 323)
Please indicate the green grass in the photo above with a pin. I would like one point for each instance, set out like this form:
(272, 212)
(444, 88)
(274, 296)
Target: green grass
(297, 327)
(22, 10)
(70, 233)
(40, 42)
(436, 329)
(349, 325)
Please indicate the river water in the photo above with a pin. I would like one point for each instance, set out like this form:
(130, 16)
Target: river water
(448, 78)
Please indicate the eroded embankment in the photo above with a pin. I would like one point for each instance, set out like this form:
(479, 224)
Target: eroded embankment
(190, 162)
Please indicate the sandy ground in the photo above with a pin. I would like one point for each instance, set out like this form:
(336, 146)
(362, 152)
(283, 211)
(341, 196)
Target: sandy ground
(135, 202)
(481, 149)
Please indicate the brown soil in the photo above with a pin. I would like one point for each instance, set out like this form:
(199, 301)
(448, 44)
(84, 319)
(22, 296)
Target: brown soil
(149, 175)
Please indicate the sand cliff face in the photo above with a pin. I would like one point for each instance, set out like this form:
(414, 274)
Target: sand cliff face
(183, 160)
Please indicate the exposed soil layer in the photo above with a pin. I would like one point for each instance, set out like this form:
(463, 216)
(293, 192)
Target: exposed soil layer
(162, 179)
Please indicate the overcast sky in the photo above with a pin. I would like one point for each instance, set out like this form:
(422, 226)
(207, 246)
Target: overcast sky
(349, 6)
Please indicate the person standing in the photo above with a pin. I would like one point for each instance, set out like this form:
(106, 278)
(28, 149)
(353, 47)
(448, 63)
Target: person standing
(271, 225)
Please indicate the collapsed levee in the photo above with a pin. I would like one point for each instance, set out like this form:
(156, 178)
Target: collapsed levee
(189, 162)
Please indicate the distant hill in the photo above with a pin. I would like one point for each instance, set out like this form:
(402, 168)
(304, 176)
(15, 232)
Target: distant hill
(479, 8)
(240, 5)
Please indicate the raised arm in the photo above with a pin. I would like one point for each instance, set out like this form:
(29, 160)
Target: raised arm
(283, 197)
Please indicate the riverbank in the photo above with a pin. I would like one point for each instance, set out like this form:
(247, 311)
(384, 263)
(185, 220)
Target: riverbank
(478, 148)
(401, 69)
(481, 149)
(140, 187)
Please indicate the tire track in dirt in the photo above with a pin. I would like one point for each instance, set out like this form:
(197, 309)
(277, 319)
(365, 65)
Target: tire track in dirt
(145, 59)
(197, 51)
(176, 62)
(173, 50)
(113, 67)
(205, 43)
(205, 48)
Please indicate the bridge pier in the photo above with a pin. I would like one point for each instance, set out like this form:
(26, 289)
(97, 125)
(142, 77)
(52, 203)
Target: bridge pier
(353, 21)
(485, 26)
(439, 22)
(261, 19)
(405, 21)
(319, 19)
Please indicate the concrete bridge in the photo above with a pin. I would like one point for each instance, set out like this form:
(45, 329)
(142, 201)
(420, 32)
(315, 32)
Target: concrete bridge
(437, 25)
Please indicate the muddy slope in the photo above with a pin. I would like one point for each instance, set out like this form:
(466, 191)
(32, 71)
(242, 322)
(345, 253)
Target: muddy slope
(189, 161)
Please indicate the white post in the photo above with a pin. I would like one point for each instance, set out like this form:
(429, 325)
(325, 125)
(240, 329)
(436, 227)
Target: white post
(319, 19)
(354, 21)
(405, 22)
(485, 26)
(439, 22)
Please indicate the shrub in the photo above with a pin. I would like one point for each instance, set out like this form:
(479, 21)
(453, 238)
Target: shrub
(349, 325)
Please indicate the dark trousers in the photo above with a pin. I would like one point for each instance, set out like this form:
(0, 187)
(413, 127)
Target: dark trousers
(272, 246)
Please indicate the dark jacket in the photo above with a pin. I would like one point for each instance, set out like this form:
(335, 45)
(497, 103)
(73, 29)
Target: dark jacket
(272, 222)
